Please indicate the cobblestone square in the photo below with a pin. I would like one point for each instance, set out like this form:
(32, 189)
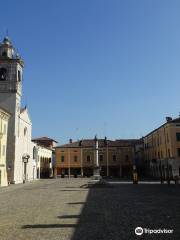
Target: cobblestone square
(63, 209)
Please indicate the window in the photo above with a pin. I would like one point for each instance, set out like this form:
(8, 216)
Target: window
(101, 158)
(75, 158)
(169, 155)
(4, 54)
(3, 73)
(158, 155)
(34, 152)
(178, 136)
(25, 131)
(114, 158)
(88, 158)
(19, 76)
(62, 158)
(178, 152)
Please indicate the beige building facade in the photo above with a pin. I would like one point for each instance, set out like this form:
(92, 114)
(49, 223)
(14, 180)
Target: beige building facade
(162, 149)
(116, 158)
(4, 118)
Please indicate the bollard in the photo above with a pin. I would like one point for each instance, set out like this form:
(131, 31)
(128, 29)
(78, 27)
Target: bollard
(135, 177)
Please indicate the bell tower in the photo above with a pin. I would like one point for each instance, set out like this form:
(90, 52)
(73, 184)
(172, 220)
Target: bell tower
(11, 72)
(11, 68)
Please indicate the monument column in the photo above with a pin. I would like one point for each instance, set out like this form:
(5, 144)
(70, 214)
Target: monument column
(96, 170)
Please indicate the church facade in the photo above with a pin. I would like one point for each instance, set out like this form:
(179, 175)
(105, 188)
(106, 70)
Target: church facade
(20, 164)
(4, 118)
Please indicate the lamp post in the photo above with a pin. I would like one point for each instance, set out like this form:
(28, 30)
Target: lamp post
(25, 158)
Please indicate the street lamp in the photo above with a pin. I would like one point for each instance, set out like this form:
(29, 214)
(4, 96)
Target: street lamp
(25, 159)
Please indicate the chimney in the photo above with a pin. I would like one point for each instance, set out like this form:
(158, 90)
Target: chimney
(70, 140)
(80, 143)
(105, 141)
(168, 119)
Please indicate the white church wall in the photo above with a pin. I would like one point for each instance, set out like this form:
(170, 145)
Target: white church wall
(24, 169)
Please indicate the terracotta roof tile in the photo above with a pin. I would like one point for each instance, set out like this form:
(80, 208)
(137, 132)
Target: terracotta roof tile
(43, 139)
(102, 143)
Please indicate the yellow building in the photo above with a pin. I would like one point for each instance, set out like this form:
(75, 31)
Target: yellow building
(162, 149)
(116, 158)
(4, 117)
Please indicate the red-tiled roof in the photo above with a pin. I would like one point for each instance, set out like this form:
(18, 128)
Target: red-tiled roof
(102, 143)
(175, 120)
(43, 139)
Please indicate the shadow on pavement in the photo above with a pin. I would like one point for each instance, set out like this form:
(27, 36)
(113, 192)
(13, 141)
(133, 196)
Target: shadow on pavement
(114, 213)
(50, 226)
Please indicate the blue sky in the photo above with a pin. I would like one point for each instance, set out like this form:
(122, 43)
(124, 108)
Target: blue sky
(97, 67)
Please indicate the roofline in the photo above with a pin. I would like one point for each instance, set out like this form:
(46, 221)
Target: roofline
(38, 139)
(68, 145)
(92, 146)
(42, 146)
(171, 121)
